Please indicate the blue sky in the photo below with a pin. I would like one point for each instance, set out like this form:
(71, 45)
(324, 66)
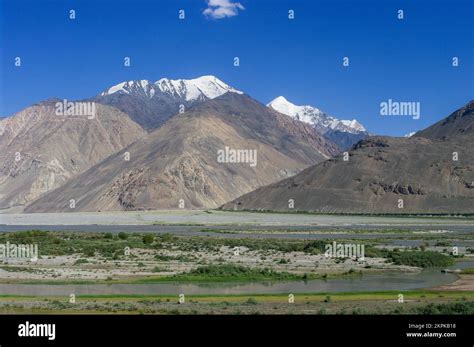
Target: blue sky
(301, 59)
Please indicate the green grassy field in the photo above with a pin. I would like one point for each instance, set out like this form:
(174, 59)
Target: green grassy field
(415, 302)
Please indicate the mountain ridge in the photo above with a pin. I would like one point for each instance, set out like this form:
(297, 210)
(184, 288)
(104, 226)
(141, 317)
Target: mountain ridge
(40, 149)
(428, 175)
(179, 160)
(344, 133)
(150, 104)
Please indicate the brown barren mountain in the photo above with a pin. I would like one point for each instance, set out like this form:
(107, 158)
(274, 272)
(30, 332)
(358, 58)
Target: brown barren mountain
(40, 150)
(179, 161)
(458, 123)
(384, 175)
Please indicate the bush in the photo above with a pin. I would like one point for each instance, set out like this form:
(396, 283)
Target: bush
(234, 272)
(122, 235)
(148, 239)
(315, 247)
(251, 301)
(421, 259)
(464, 308)
(372, 252)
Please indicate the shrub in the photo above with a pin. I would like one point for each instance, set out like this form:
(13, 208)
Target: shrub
(122, 235)
(148, 239)
(464, 308)
(421, 259)
(251, 301)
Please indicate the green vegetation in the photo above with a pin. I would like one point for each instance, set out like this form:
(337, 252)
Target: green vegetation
(161, 254)
(214, 244)
(159, 269)
(418, 302)
(421, 259)
(407, 215)
(55, 243)
(122, 235)
(112, 246)
(466, 308)
(20, 269)
(148, 239)
(443, 244)
(411, 258)
(228, 273)
(251, 301)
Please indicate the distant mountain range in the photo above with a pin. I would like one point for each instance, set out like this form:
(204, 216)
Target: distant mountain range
(429, 172)
(344, 133)
(201, 143)
(150, 104)
(171, 129)
(178, 161)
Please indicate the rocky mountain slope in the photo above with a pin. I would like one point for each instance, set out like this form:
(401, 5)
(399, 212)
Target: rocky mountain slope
(40, 150)
(150, 104)
(385, 175)
(179, 162)
(458, 123)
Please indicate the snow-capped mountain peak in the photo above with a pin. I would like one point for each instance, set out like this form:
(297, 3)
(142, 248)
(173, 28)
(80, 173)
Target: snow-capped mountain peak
(322, 121)
(303, 113)
(353, 124)
(130, 87)
(204, 87)
(194, 89)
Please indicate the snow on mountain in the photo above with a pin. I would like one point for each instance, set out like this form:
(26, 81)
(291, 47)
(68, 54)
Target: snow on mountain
(204, 87)
(314, 116)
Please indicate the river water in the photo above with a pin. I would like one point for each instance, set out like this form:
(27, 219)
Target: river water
(427, 278)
